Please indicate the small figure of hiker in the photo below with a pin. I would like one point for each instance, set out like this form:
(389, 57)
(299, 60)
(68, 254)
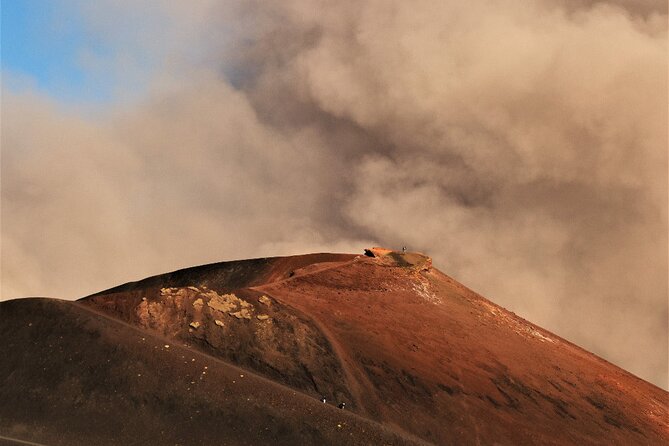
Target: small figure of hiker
(323, 400)
(404, 249)
(342, 405)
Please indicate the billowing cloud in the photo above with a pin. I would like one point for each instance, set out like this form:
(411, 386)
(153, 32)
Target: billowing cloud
(522, 145)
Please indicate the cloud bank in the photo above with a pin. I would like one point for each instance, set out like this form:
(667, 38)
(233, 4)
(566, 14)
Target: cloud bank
(523, 145)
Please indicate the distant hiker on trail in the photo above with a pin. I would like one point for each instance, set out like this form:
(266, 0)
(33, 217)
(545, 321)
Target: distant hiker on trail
(323, 400)
(342, 405)
(404, 249)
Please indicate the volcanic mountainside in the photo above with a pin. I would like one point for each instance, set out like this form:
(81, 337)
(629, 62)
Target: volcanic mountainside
(241, 353)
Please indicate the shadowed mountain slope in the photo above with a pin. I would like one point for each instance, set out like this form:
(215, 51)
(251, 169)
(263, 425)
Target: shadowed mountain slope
(71, 376)
(416, 357)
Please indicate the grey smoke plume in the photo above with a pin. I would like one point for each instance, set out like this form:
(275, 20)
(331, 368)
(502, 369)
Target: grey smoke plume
(523, 145)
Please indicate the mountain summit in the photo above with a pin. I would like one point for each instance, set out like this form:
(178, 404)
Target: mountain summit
(266, 351)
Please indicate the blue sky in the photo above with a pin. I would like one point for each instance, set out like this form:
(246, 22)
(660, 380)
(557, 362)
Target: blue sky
(43, 43)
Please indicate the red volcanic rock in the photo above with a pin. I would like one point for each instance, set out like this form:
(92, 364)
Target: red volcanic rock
(416, 357)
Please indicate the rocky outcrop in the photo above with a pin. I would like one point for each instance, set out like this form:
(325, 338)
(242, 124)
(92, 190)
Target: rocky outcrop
(246, 327)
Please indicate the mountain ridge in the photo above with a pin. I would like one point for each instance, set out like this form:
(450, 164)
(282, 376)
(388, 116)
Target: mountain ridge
(402, 344)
